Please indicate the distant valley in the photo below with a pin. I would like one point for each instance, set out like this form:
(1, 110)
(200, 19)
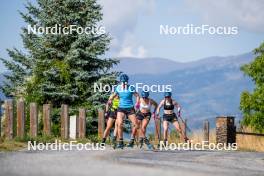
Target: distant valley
(205, 88)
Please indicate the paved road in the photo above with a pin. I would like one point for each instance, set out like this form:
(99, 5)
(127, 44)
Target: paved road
(131, 162)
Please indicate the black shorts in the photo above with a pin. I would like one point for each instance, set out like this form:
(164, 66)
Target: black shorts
(141, 116)
(112, 114)
(170, 117)
(127, 111)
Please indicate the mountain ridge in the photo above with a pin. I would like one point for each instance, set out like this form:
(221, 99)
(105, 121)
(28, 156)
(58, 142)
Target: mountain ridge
(131, 65)
(206, 88)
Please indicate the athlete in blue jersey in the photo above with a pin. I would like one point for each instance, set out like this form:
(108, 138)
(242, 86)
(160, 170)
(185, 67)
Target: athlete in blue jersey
(125, 108)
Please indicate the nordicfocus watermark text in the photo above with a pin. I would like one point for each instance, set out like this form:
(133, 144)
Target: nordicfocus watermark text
(137, 87)
(58, 29)
(59, 145)
(191, 29)
(204, 145)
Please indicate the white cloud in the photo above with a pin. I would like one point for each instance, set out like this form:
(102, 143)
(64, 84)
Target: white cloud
(246, 14)
(131, 48)
(142, 51)
(120, 18)
(128, 51)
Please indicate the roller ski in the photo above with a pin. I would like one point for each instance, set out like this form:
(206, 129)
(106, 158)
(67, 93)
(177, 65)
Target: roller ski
(131, 143)
(120, 145)
(114, 144)
(149, 145)
(141, 143)
(103, 141)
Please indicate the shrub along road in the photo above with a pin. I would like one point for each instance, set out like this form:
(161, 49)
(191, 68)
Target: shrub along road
(131, 162)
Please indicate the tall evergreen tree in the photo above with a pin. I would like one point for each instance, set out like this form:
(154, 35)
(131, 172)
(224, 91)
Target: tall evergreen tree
(59, 68)
(252, 104)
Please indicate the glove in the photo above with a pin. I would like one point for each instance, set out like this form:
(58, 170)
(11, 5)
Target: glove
(137, 106)
(157, 116)
(179, 111)
(109, 102)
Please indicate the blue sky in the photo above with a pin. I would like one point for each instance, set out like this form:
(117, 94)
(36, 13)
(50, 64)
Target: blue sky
(134, 27)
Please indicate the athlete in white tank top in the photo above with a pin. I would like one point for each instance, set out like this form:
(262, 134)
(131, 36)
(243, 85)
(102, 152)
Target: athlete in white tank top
(144, 116)
(145, 106)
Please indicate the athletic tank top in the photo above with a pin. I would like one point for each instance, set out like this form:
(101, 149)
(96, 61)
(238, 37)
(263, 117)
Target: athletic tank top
(115, 104)
(145, 106)
(125, 96)
(168, 105)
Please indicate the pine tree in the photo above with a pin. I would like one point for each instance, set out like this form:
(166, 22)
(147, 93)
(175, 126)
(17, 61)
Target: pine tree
(98, 97)
(59, 68)
(20, 67)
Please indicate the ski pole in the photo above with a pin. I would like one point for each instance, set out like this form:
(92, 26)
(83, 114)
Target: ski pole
(156, 127)
(188, 129)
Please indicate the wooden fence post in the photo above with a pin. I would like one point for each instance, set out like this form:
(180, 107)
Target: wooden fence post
(158, 130)
(101, 123)
(20, 118)
(206, 128)
(65, 121)
(33, 119)
(82, 123)
(46, 119)
(77, 126)
(9, 116)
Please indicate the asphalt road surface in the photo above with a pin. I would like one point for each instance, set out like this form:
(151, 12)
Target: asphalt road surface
(131, 162)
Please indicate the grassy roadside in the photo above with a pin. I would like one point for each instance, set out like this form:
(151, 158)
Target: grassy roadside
(21, 143)
(244, 142)
(11, 145)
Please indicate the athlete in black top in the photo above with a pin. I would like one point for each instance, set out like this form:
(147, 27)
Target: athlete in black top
(169, 115)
